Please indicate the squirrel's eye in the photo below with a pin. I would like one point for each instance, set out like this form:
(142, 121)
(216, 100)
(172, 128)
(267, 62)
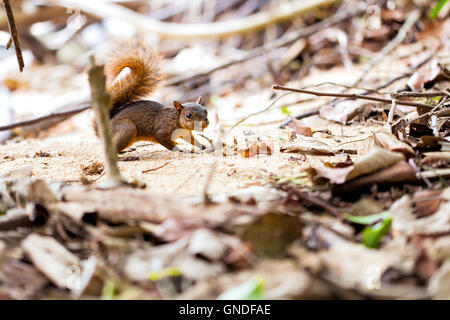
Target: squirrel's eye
(189, 115)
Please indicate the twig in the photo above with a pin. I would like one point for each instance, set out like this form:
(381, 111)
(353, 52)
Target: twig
(368, 91)
(259, 112)
(283, 41)
(401, 35)
(419, 94)
(187, 31)
(431, 112)
(14, 34)
(9, 44)
(63, 114)
(299, 117)
(391, 112)
(353, 96)
(101, 100)
(310, 199)
(154, 169)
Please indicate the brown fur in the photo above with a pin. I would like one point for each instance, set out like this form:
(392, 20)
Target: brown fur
(144, 77)
(133, 119)
(151, 121)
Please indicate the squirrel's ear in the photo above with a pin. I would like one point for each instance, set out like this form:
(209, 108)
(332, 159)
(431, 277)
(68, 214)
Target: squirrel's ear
(200, 100)
(178, 106)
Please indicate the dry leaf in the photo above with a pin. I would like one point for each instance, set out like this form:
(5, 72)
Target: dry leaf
(299, 128)
(428, 75)
(254, 148)
(52, 259)
(312, 146)
(376, 160)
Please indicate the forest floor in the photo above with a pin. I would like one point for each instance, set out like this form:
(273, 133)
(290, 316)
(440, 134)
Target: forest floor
(347, 203)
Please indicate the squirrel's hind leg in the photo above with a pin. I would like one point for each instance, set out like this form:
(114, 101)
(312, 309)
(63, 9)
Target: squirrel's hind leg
(124, 133)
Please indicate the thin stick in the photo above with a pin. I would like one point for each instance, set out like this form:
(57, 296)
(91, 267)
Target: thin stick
(154, 169)
(368, 91)
(14, 34)
(101, 100)
(353, 96)
(9, 44)
(401, 35)
(391, 112)
(64, 114)
(431, 112)
(310, 199)
(259, 112)
(419, 94)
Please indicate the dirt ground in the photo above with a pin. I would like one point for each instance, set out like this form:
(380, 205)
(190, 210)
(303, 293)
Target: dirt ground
(61, 153)
(62, 158)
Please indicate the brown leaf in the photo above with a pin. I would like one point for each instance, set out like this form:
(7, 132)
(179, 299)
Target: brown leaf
(254, 148)
(428, 75)
(343, 111)
(313, 146)
(427, 202)
(299, 128)
(271, 234)
(401, 172)
(376, 160)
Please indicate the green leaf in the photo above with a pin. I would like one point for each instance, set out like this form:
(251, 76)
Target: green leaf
(109, 290)
(285, 110)
(370, 219)
(292, 180)
(163, 273)
(251, 290)
(437, 8)
(372, 235)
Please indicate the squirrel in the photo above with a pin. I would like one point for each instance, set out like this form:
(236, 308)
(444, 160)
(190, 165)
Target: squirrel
(134, 119)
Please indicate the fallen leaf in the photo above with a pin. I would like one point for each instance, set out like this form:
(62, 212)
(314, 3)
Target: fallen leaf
(343, 111)
(427, 202)
(428, 75)
(374, 161)
(52, 259)
(313, 146)
(254, 148)
(271, 234)
(401, 172)
(299, 128)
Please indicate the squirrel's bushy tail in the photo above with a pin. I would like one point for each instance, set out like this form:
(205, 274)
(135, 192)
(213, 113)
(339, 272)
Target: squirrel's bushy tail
(143, 77)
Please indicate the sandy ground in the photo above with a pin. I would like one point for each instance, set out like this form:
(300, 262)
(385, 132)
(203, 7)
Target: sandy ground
(63, 157)
(61, 153)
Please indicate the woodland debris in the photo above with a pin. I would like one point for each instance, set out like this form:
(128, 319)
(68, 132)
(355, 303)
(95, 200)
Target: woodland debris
(14, 33)
(101, 101)
(51, 258)
(254, 148)
(375, 160)
(314, 146)
(206, 243)
(201, 30)
(353, 96)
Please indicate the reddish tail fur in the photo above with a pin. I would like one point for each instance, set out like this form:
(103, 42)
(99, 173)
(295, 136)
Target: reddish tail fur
(145, 75)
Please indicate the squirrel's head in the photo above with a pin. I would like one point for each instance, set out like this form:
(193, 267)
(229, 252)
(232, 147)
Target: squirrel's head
(193, 115)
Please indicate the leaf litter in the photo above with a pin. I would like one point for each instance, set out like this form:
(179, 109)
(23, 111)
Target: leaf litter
(350, 202)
